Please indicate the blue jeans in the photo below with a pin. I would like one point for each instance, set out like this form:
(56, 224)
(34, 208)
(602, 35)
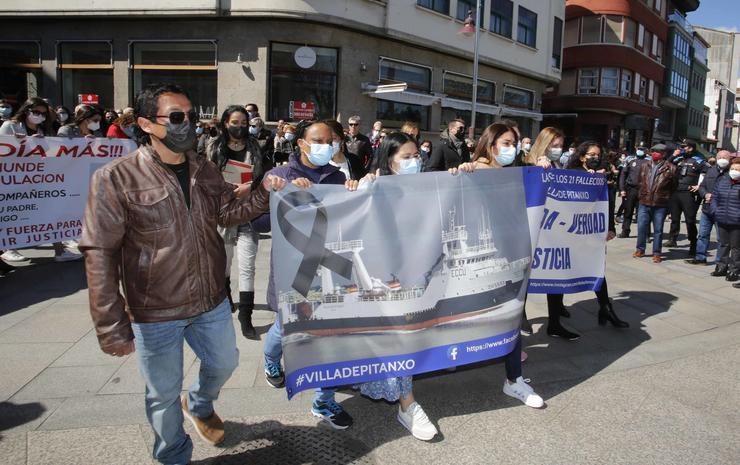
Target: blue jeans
(160, 350)
(645, 215)
(706, 223)
(274, 352)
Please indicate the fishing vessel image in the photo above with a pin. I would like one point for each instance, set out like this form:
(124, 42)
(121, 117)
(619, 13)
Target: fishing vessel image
(465, 281)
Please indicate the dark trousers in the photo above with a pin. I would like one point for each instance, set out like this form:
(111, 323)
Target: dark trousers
(729, 247)
(683, 202)
(630, 205)
(555, 303)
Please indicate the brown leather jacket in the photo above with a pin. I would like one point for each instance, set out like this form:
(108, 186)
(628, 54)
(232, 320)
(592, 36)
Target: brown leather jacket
(138, 231)
(658, 193)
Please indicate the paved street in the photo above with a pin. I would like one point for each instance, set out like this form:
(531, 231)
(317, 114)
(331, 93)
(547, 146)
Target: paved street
(665, 391)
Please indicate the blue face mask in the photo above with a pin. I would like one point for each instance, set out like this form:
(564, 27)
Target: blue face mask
(5, 112)
(289, 136)
(335, 148)
(198, 130)
(409, 166)
(321, 154)
(253, 130)
(506, 156)
(564, 159)
(640, 153)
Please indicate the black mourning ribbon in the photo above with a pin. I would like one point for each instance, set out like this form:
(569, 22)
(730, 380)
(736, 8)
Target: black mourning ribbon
(312, 247)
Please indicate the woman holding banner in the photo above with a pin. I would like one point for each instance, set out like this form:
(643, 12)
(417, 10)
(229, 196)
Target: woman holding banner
(399, 154)
(234, 143)
(588, 157)
(497, 149)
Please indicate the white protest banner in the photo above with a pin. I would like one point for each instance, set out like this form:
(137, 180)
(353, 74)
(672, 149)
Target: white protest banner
(44, 183)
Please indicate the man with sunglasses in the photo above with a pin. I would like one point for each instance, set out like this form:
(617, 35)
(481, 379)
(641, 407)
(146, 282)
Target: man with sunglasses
(357, 143)
(150, 226)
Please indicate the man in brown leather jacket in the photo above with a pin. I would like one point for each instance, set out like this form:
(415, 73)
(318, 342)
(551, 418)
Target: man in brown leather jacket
(657, 182)
(150, 227)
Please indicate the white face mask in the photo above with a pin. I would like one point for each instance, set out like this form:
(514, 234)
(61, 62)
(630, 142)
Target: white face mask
(408, 166)
(555, 153)
(335, 148)
(36, 119)
(571, 151)
(723, 163)
(93, 125)
(735, 175)
(527, 147)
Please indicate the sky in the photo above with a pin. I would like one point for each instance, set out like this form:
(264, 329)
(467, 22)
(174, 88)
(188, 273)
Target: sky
(717, 14)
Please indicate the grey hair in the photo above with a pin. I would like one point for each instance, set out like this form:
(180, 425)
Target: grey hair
(354, 119)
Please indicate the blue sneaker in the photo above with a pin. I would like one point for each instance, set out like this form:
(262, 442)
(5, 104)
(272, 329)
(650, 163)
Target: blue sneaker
(333, 413)
(274, 374)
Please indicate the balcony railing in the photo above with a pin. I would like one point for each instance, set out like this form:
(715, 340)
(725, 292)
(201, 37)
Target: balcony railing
(681, 21)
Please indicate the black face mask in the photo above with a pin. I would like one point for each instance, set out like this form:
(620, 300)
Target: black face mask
(238, 132)
(180, 137)
(593, 163)
(460, 133)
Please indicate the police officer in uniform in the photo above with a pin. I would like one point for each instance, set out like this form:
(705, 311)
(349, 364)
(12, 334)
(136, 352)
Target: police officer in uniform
(629, 187)
(689, 166)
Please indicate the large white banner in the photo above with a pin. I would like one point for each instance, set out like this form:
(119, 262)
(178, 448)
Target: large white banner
(44, 183)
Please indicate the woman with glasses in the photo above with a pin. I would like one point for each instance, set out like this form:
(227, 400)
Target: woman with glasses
(235, 141)
(34, 118)
(86, 123)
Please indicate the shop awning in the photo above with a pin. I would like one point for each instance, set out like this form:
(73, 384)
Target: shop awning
(405, 96)
(468, 106)
(509, 111)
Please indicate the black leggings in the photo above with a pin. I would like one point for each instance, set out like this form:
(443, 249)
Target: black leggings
(555, 303)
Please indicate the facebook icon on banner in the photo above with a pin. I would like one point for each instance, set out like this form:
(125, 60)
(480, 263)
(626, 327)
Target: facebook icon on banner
(452, 353)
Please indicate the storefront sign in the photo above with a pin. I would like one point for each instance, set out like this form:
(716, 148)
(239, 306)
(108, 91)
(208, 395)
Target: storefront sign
(305, 57)
(89, 99)
(302, 110)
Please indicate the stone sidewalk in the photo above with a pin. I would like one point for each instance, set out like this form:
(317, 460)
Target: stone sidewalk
(664, 391)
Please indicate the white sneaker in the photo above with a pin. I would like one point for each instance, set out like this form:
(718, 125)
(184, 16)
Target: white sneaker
(416, 421)
(68, 256)
(13, 256)
(524, 392)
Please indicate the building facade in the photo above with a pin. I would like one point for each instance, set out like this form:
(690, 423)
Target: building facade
(291, 55)
(692, 121)
(723, 61)
(613, 71)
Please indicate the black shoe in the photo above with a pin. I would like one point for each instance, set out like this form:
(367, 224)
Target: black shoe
(670, 243)
(606, 313)
(736, 285)
(333, 413)
(624, 235)
(719, 271)
(618, 219)
(526, 326)
(695, 261)
(732, 277)
(246, 306)
(559, 331)
(6, 269)
(564, 312)
(274, 374)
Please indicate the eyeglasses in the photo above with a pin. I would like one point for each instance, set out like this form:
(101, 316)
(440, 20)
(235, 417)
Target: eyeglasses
(354, 124)
(252, 125)
(592, 155)
(177, 117)
(38, 113)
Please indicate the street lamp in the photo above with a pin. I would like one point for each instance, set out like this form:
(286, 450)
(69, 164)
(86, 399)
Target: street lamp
(470, 27)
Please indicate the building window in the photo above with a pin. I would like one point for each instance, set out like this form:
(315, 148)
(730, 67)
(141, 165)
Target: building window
(461, 87)
(659, 52)
(626, 87)
(609, 81)
(648, 42)
(640, 36)
(657, 5)
(557, 42)
(20, 71)
(571, 32)
(651, 90)
(516, 97)
(681, 49)
(464, 7)
(613, 30)
(290, 82)
(643, 89)
(418, 78)
(630, 30)
(190, 64)
(527, 27)
(482, 120)
(440, 6)
(502, 13)
(655, 45)
(591, 29)
(86, 68)
(394, 114)
(588, 79)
